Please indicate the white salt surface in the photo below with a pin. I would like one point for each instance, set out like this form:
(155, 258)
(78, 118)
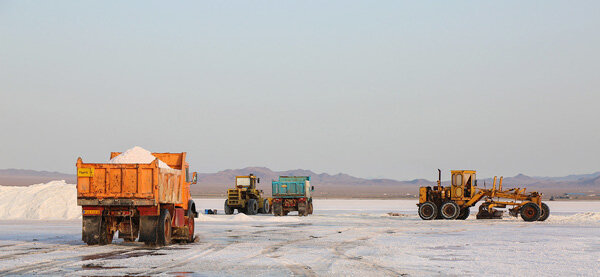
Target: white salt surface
(53, 200)
(342, 238)
(137, 155)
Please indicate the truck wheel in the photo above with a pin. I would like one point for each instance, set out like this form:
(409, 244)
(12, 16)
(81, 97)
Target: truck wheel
(464, 213)
(450, 210)
(252, 207)
(228, 210)
(191, 225)
(428, 211)
(277, 209)
(545, 212)
(265, 208)
(310, 208)
(302, 209)
(530, 212)
(164, 229)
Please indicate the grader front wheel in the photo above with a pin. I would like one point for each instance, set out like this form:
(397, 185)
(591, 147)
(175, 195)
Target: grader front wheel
(545, 212)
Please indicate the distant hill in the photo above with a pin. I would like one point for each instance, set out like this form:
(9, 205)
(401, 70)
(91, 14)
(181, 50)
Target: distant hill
(338, 186)
(24, 177)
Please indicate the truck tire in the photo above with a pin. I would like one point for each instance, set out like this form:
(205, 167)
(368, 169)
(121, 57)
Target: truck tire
(252, 207)
(163, 229)
(302, 209)
(277, 209)
(310, 207)
(265, 208)
(428, 211)
(228, 210)
(191, 224)
(545, 212)
(530, 212)
(464, 213)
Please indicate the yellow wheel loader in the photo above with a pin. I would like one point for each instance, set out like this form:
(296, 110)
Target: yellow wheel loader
(246, 198)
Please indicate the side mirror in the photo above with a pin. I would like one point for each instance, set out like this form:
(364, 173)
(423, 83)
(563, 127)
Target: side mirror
(258, 180)
(194, 177)
(312, 188)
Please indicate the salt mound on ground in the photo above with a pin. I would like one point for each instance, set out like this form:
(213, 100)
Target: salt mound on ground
(137, 155)
(587, 217)
(241, 217)
(53, 200)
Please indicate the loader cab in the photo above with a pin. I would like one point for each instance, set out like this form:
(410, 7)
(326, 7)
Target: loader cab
(463, 184)
(248, 182)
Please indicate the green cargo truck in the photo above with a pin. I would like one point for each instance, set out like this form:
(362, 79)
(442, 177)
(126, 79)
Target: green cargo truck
(292, 193)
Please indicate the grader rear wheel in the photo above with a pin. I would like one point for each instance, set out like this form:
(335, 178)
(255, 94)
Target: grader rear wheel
(450, 210)
(530, 212)
(428, 211)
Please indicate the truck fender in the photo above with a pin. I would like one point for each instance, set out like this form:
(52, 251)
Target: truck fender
(192, 209)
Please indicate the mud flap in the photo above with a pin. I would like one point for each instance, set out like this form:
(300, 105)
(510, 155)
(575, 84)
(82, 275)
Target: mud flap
(148, 227)
(91, 229)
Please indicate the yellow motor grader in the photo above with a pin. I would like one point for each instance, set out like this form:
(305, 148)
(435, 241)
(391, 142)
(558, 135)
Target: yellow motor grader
(454, 201)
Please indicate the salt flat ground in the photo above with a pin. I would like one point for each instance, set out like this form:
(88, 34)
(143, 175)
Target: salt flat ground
(342, 238)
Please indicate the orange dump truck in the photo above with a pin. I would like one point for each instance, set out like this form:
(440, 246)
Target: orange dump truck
(137, 200)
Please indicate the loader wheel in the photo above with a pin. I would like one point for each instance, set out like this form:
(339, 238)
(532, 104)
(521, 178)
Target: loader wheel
(545, 212)
(252, 207)
(265, 208)
(228, 210)
(450, 210)
(464, 213)
(428, 211)
(530, 212)
(164, 229)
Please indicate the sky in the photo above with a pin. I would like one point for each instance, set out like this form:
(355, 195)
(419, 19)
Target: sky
(374, 89)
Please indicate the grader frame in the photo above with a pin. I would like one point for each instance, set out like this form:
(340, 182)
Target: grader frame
(454, 201)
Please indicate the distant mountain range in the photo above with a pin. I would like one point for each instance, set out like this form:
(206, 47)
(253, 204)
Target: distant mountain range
(338, 185)
(25, 177)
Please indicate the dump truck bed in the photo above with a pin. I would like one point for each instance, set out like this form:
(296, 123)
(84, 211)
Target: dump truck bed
(291, 187)
(132, 184)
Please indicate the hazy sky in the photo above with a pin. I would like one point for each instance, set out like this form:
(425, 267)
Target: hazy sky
(388, 89)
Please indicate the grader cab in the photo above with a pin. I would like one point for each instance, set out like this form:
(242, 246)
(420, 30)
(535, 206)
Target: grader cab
(245, 197)
(454, 201)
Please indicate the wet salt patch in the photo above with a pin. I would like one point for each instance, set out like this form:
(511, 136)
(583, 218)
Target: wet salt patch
(137, 155)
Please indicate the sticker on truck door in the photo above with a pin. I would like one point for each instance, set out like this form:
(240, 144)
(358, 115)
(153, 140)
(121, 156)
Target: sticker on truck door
(85, 172)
